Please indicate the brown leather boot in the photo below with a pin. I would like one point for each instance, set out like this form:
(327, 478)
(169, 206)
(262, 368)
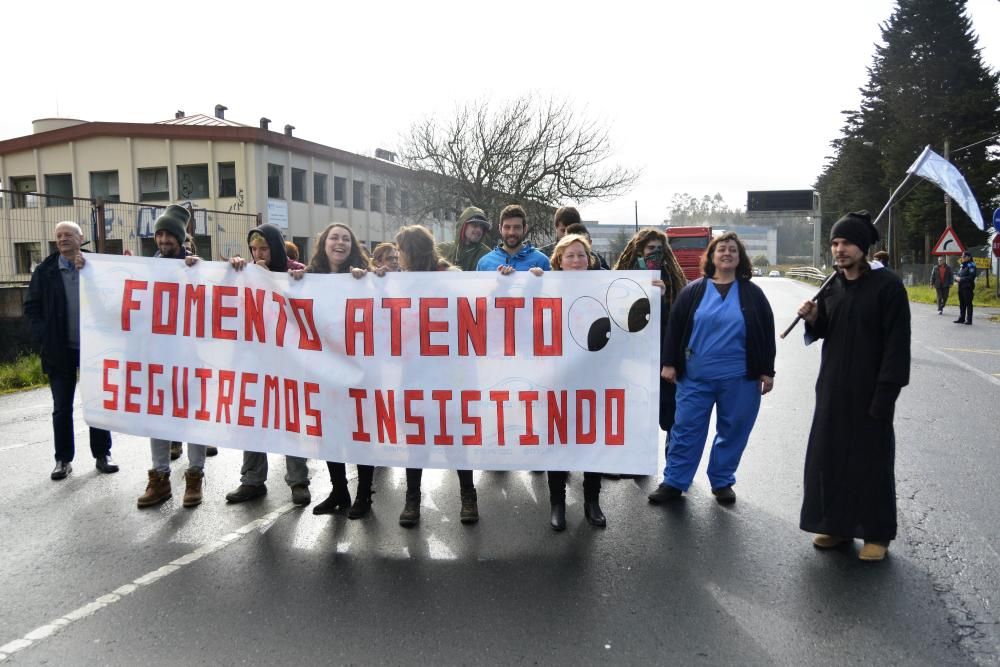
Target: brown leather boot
(157, 490)
(192, 491)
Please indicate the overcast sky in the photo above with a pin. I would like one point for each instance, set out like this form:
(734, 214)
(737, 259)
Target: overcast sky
(703, 97)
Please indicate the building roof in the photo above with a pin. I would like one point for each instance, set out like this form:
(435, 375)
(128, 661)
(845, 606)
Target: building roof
(202, 120)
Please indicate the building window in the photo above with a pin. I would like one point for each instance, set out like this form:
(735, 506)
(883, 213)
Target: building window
(359, 195)
(340, 192)
(376, 197)
(27, 256)
(298, 184)
(275, 181)
(227, 179)
(390, 200)
(59, 188)
(22, 185)
(192, 181)
(153, 184)
(104, 184)
(319, 188)
(404, 202)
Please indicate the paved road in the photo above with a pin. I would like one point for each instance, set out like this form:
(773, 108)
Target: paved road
(86, 578)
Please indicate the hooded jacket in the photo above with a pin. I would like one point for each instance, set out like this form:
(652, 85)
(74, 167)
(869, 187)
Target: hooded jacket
(279, 258)
(460, 253)
(527, 257)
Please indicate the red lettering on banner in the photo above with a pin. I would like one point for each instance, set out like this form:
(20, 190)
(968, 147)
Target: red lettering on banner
(588, 437)
(476, 439)
(353, 327)
(292, 422)
(271, 395)
(245, 401)
(130, 389)
(509, 305)
(316, 427)
(385, 415)
(500, 397)
(442, 396)
(614, 400)
(203, 374)
(180, 409)
(194, 299)
(253, 318)
(471, 328)
(558, 416)
(110, 403)
(279, 328)
(152, 407)
(224, 397)
(395, 306)
(429, 326)
(302, 309)
(418, 438)
(554, 306)
(221, 312)
(173, 290)
(128, 303)
(359, 434)
(528, 398)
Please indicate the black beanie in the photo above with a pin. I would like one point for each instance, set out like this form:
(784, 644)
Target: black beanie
(174, 221)
(857, 228)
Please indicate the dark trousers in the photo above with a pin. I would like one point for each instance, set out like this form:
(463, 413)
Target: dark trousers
(942, 296)
(413, 476)
(338, 476)
(965, 302)
(62, 382)
(557, 486)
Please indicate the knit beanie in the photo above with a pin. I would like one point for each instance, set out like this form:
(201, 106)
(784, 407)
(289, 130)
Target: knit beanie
(857, 228)
(474, 215)
(174, 221)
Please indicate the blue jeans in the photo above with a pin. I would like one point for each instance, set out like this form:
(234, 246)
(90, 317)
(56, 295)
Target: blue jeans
(62, 382)
(736, 402)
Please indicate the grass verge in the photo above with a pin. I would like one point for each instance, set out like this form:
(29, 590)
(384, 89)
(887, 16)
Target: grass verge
(23, 373)
(983, 296)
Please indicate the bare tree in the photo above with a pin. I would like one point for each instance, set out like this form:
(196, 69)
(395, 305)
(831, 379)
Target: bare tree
(537, 154)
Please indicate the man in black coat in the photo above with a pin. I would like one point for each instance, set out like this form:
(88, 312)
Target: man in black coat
(864, 319)
(53, 308)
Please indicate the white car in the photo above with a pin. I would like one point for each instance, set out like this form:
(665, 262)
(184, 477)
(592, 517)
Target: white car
(774, 274)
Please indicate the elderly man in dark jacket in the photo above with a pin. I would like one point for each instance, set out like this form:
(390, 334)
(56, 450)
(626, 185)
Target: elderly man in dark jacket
(53, 308)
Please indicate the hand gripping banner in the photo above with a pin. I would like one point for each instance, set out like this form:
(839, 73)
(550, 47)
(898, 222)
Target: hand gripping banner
(433, 370)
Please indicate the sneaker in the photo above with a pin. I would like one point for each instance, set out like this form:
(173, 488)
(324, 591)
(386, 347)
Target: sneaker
(872, 552)
(829, 541)
(245, 492)
(664, 493)
(724, 495)
(157, 490)
(470, 506)
(301, 495)
(410, 516)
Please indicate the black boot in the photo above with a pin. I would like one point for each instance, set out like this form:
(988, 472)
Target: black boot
(362, 505)
(338, 501)
(592, 510)
(410, 516)
(558, 518)
(470, 506)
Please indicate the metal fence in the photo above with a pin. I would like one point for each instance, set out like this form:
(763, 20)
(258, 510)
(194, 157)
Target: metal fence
(27, 221)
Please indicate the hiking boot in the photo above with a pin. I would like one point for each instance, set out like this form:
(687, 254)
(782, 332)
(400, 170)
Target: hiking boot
(410, 516)
(211, 451)
(157, 490)
(470, 506)
(301, 495)
(192, 489)
(724, 495)
(664, 493)
(362, 506)
(245, 492)
(175, 451)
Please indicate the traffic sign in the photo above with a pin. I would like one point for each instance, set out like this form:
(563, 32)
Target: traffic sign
(948, 244)
(996, 219)
(996, 245)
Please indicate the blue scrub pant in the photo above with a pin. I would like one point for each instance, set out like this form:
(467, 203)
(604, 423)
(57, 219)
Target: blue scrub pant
(737, 401)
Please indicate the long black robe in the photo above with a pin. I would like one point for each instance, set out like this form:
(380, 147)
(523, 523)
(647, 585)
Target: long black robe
(850, 485)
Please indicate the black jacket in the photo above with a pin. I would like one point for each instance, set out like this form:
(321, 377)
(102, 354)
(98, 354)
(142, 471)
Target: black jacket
(45, 308)
(757, 316)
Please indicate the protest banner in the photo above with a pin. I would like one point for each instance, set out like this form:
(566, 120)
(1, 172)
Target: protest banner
(433, 370)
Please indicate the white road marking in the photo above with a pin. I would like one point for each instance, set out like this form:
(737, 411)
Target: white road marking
(49, 629)
(958, 362)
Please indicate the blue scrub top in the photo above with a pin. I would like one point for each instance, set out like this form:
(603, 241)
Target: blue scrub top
(717, 349)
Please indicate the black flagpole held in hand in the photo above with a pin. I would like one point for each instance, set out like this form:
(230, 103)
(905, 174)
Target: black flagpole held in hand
(822, 288)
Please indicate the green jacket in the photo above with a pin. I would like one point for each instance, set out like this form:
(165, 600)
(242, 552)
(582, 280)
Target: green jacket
(463, 255)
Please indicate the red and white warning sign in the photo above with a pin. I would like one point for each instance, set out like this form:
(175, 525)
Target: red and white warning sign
(948, 244)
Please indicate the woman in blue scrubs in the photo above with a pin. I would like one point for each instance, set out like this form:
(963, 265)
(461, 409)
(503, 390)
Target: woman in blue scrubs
(719, 350)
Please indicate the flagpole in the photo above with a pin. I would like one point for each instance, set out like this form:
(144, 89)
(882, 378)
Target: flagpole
(892, 198)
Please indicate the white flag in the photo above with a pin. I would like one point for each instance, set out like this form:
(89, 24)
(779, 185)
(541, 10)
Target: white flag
(942, 173)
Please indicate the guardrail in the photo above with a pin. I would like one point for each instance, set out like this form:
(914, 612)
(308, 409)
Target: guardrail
(806, 273)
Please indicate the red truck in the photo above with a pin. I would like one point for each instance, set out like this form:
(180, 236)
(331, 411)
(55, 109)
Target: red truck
(688, 245)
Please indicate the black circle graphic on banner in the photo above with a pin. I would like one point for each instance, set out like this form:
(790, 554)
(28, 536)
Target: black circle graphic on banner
(628, 305)
(589, 324)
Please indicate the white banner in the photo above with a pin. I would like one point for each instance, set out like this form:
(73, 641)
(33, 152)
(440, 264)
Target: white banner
(945, 175)
(433, 370)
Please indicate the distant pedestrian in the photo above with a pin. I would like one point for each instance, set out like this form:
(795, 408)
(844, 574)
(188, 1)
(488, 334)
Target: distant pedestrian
(966, 279)
(53, 310)
(864, 321)
(942, 280)
(880, 260)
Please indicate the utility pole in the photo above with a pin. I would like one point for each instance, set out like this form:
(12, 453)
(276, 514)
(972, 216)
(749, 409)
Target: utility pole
(636, 216)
